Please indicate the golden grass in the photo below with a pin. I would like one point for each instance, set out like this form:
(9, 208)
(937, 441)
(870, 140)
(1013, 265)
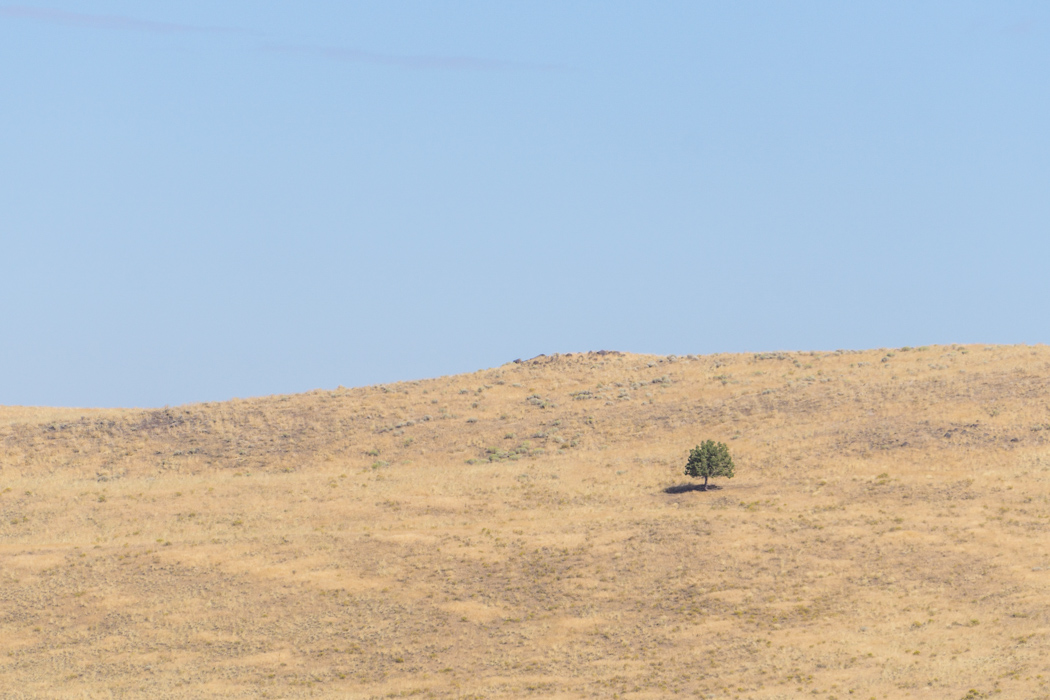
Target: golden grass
(516, 531)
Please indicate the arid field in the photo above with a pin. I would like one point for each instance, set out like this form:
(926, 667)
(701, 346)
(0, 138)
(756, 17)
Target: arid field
(528, 530)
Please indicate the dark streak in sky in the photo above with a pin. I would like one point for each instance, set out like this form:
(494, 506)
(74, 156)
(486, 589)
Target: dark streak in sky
(419, 62)
(115, 22)
(330, 53)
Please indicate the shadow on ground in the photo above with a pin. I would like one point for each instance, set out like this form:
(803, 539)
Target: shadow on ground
(686, 488)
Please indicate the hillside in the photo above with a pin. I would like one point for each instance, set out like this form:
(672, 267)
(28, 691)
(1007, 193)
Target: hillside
(524, 530)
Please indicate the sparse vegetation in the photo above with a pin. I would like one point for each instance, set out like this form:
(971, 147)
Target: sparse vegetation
(881, 537)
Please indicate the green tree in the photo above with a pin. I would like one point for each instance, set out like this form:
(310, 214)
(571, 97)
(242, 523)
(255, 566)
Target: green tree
(708, 460)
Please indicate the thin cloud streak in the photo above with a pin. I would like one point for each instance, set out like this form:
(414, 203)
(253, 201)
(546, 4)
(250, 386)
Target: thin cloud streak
(422, 62)
(115, 22)
(330, 53)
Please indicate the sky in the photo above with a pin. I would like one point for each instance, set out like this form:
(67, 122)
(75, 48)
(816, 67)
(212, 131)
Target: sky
(201, 201)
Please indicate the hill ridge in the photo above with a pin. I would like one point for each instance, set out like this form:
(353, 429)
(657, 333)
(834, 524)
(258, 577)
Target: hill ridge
(527, 529)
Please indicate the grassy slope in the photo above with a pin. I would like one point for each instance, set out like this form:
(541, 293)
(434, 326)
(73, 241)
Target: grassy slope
(500, 534)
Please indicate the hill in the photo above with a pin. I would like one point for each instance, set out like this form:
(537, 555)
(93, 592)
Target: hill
(527, 530)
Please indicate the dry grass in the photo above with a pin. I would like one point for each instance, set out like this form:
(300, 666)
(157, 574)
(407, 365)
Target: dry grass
(516, 532)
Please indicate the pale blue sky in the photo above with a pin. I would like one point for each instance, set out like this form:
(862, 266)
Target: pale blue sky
(204, 200)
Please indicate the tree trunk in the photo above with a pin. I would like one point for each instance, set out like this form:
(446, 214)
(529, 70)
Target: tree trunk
(705, 483)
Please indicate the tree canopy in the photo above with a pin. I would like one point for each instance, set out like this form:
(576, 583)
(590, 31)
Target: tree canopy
(709, 459)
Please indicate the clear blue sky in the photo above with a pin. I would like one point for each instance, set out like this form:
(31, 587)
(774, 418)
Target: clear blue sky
(204, 200)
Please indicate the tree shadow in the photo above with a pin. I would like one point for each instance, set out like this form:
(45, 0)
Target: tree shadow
(686, 488)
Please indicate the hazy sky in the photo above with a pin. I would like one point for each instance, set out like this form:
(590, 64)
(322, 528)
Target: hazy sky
(204, 200)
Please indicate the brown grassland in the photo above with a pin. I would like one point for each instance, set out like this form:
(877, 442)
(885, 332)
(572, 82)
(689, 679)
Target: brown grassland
(526, 531)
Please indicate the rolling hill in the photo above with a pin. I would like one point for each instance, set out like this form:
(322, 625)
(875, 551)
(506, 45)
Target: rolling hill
(527, 530)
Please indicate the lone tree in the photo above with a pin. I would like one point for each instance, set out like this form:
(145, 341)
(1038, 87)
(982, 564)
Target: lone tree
(709, 459)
